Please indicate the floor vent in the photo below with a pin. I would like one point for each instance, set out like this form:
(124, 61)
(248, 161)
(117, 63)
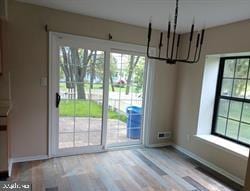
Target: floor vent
(52, 189)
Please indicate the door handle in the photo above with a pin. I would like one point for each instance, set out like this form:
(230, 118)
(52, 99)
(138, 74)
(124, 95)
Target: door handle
(58, 99)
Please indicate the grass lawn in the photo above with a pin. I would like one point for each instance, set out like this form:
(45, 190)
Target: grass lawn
(80, 108)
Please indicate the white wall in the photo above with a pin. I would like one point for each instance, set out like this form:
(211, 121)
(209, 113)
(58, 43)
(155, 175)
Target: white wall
(232, 38)
(247, 182)
(174, 108)
(206, 110)
(28, 62)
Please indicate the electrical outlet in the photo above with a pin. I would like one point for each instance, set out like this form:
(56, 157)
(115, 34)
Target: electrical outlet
(164, 135)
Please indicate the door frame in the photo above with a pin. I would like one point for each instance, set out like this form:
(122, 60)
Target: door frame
(107, 47)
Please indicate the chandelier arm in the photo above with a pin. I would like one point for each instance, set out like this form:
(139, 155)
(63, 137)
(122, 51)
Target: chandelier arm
(167, 48)
(195, 54)
(177, 46)
(195, 60)
(199, 55)
(157, 58)
(153, 57)
(148, 48)
(176, 11)
(168, 37)
(149, 32)
(172, 51)
(201, 43)
(160, 44)
(148, 45)
(197, 46)
(149, 37)
(190, 41)
(168, 61)
(175, 25)
(196, 57)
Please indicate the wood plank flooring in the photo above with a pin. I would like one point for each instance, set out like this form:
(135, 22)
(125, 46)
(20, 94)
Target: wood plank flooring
(124, 170)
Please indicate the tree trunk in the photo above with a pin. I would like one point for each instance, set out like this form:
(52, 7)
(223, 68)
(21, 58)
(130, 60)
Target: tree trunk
(129, 81)
(81, 91)
(112, 83)
(80, 73)
(75, 68)
(132, 65)
(92, 77)
(66, 67)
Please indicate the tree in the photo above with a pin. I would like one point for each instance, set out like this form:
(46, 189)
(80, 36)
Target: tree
(235, 68)
(132, 64)
(96, 69)
(113, 68)
(67, 68)
(241, 72)
(92, 70)
(74, 65)
(139, 74)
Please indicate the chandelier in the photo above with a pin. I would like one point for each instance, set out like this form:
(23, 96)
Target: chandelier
(172, 50)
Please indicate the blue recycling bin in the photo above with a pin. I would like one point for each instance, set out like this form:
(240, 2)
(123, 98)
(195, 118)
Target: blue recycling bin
(134, 122)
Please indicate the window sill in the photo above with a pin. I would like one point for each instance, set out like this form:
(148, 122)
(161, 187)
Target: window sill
(226, 145)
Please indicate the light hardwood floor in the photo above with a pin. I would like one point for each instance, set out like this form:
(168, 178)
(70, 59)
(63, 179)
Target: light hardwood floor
(130, 170)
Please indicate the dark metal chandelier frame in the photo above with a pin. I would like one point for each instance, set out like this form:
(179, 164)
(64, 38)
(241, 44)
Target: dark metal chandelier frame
(172, 59)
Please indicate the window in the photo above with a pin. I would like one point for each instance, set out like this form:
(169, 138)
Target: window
(231, 118)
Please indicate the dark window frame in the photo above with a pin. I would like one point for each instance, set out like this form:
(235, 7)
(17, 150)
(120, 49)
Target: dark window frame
(218, 96)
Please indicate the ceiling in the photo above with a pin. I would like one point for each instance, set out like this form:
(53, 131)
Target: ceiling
(207, 13)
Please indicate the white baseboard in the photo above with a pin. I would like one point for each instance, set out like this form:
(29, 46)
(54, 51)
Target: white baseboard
(158, 145)
(117, 148)
(25, 159)
(29, 158)
(210, 165)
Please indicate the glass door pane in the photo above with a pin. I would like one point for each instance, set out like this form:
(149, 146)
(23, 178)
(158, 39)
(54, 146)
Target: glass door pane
(126, 94)
(81, 89)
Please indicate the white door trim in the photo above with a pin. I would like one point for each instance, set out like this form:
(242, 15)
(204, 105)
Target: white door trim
(149, 94)
(105, 99)
(51, 117)
(103, 45)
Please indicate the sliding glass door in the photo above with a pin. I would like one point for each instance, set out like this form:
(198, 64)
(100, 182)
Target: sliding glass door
(96, 95)
(81, 93)
(78, 92)
(126, 98)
